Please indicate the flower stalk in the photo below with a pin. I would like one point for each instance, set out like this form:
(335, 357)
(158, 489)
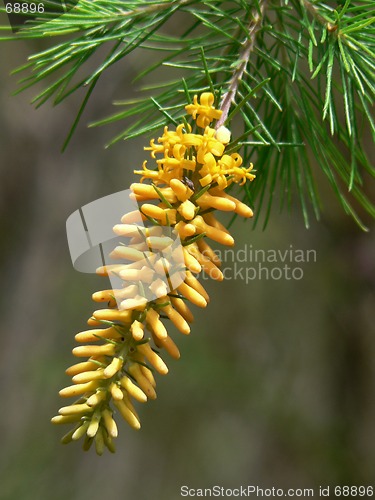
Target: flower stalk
(243, 59)
(182, 193)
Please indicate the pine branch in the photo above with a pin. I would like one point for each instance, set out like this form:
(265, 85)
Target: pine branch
(255, 53)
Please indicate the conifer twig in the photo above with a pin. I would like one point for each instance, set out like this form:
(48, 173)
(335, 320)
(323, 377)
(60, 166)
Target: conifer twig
(244, 56)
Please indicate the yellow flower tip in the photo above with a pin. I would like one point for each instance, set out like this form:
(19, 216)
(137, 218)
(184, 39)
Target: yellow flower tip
(171, 348)
(133, 390)
(112, 315)
(109, 423)
(96, 398)
(103, 296)
(137, 303)
(93, 428)
(83, 366)
(93, 322)
(128, 415)
(77, 389)
(116, 392)
(88, 376)
(157, 326)
(93, 350)
(137, 330)
(158, 288)
(203, 111)
(113, 367)
(219, 203)
(181, 190)
(65, 419)
(81, 431)
(154, 359)
(75, 409)
(187, 210)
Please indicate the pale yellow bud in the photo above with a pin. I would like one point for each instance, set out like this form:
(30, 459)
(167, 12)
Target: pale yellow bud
(113, 315)
(206, 201)
(81, 367)
(142, 381)
(81, 378)
(185, 229)
(96, 398)
(158, 242)
(145, 191)
(162, 266)
(137, 330)
(153, 358)
(149, 375)
(81, 431)
(182, 308)
(192, 281)
(208, 252)
(109, 423)
(176, 318)
(94, 424)
(170, 347)
(223, 135)
(212, 221)
(192, 295)
(113, 367)
(187, 210)
(130, 418)
(78, 389)
(83, 351)
(78, 409)
(126, 252)
(137, 303)
(158, 288)
(146, 274)
(116, 392)
(132, 217)
(215, 234)
(133, 390)
(241, 208)
(65, 419)
(166, 216)
(207, 265)
(191, 262)
(96, 334)
(182, 191)
(157, 326)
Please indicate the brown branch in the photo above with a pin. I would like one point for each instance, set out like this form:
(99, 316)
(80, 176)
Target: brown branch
(244, 56)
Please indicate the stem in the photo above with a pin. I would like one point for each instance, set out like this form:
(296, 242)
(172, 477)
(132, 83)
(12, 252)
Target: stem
(244, 56)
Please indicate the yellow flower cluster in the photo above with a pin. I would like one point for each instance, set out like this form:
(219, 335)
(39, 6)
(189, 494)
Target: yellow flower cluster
(187, 185)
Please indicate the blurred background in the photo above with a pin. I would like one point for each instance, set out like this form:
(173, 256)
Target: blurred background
(275, 386)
